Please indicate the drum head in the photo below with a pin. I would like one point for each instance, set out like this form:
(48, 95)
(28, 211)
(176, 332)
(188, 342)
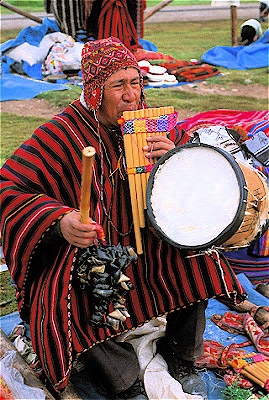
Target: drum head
(196, 196)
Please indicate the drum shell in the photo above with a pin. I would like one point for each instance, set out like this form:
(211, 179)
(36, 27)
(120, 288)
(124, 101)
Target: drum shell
(256, 212)
(231, 229)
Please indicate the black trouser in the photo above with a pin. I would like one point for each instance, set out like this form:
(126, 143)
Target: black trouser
(114, 366)
(184, 331)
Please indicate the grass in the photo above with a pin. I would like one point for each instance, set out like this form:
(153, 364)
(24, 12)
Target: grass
(8, 303)
(15, 130)
(182, 40)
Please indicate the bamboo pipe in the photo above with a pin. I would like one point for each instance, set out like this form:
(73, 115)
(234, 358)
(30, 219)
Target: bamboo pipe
(256, 371)
(131, 178)
(133, 145)
(138, 178)
(141, 141)
(253, 378)
(86, 180)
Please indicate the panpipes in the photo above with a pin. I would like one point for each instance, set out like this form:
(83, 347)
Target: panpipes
(136, 126)
(254, 366)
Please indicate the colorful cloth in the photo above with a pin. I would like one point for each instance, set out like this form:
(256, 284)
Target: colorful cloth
(41, 182)
(115, 20)
(244, 323)
(217, 357)
(250, 121)
(99, 60)
(53, 63)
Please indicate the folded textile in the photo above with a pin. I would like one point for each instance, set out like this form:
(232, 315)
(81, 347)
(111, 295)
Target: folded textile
(244, 323)
(194, 72)
(217, 357)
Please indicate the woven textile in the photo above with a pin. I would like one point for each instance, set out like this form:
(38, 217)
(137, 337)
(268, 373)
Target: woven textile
(69, 15)
(115, 20)
(47, 186)
(99, 60)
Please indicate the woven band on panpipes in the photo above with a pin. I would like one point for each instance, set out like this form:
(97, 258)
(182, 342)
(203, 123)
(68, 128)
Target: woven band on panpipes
(254, 366)
(136, 126)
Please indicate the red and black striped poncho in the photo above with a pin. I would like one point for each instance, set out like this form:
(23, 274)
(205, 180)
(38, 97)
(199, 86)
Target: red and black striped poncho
(41, 182)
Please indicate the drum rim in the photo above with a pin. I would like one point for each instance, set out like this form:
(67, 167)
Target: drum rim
(231, 229)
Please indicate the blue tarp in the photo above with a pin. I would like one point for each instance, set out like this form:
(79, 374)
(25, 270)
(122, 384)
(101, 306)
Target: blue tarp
(18, 87)
(256, 55)
(31, 35)
(15, 87)
(21, 88)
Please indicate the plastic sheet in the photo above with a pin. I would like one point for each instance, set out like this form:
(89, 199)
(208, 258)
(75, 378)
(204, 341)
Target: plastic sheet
(15, 381)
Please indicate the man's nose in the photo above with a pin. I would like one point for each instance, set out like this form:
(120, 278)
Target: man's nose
(129, 94)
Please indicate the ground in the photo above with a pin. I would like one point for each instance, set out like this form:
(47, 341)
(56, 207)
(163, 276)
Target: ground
(43, 108)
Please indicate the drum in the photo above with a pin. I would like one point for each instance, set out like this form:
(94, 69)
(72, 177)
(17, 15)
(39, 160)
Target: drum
(199, 196)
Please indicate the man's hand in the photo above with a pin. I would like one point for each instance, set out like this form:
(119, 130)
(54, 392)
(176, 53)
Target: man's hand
(157, 146)
(76, 232)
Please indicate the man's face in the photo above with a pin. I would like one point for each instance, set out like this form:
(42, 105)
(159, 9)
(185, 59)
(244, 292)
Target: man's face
(121, 93)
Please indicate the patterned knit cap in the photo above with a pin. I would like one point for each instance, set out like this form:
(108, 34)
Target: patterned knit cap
(99, 60)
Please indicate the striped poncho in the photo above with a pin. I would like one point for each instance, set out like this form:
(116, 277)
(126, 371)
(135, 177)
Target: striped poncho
(41, 182)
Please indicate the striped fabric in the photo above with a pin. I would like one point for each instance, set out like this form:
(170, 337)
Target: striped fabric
(69, 15)
(115, 20)
(41, 182)
(100, 19)
(250, 121)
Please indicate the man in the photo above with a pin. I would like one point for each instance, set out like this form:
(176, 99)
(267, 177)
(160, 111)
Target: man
(250, 31)
(99, 19)
(42, 233)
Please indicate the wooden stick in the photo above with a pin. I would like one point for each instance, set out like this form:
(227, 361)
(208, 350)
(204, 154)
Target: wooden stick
(156, 8)
(234, 26)
(86, 181)
(261, 316)
(21, 12)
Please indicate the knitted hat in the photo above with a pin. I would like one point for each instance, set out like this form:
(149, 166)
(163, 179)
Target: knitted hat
(99, 60)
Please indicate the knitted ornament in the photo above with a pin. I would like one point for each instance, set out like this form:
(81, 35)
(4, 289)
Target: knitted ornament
(99, 60)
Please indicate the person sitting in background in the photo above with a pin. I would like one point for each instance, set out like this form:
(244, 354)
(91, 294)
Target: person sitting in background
(264, 10)
(250, 31)
(92, 19)
(43, 235)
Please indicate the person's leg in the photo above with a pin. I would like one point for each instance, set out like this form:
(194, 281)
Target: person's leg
(112, 369)
(262, 7)
(183, 344)
(185, 329)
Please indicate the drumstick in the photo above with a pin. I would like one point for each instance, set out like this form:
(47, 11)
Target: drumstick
(86, 180)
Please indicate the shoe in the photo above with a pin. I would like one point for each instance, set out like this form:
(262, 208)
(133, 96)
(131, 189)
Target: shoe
(135, 392)
(184, 372)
